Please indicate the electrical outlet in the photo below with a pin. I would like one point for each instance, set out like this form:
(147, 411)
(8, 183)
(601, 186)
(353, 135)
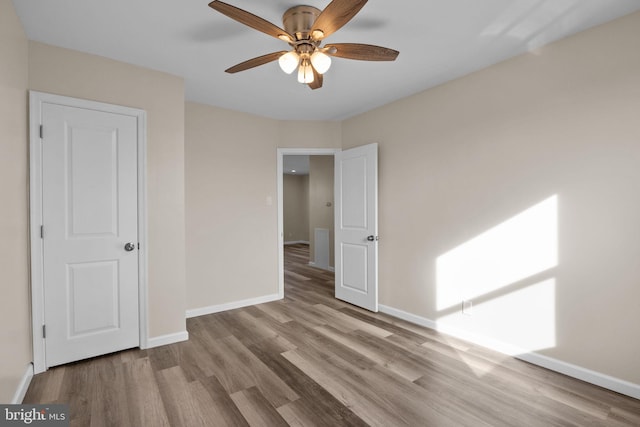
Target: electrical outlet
(467, 307)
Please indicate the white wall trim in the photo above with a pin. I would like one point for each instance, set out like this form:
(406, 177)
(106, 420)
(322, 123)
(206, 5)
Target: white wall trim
(195, 312)
(281, 152)
(297, 242)
(36, 101)
(23, 386)
(313, 264)
(587, 375)
(143, 233)
(167, 339)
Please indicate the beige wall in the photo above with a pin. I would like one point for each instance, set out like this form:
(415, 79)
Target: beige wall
(15, 323)
(309, 134)
(231, 206)
(295, 207)
(321, 193)
(460, 159)
(231, 191)
(80, 75)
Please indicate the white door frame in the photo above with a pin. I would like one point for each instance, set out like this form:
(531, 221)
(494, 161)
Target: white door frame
(36, 101)
(281, 153)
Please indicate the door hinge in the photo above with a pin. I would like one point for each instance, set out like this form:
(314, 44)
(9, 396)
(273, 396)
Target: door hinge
(41, 132)
(44, 331)
(42, 231)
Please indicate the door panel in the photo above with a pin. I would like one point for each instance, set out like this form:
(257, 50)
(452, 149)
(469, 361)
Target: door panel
(92, 178)
(89, 205)
(354, 267)
(356, 196)
(93, 297)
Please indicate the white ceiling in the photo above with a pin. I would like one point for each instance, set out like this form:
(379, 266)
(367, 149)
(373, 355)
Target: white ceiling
(438, 40)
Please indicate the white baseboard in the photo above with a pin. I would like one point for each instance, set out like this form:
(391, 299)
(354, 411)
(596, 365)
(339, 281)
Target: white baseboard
(313, 264)
(167, 339)
(21, 391)
(194, 312)
(297, 242)
(587, 375)
(409, 317)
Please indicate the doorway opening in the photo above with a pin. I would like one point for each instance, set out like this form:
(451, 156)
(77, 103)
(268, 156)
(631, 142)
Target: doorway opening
(305, 211)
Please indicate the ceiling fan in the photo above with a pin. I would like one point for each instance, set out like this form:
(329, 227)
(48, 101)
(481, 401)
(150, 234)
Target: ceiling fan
(305, 27)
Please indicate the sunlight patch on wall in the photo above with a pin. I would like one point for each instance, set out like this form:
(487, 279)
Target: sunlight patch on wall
(524, 245)
(525, 318)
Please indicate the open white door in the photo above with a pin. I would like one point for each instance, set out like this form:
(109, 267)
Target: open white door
(356, 226)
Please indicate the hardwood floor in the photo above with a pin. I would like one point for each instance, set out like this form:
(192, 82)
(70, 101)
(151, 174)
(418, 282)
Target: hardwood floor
(311, 360)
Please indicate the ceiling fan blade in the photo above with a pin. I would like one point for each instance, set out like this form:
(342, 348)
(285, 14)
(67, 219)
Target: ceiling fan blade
(317, 79)
(250, 20)
(255, 62)
(362, 52)
(335, 16)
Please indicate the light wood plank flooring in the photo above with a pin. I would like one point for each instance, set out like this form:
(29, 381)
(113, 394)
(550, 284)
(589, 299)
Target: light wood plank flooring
(311, 360)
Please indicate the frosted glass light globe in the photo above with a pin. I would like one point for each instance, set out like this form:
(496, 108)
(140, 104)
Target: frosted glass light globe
(305, 72)
(289, 61)
(321, 61)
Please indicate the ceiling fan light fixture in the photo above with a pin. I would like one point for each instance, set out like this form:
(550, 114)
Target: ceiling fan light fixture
(305, 27)
(321, 61)
(305, 72)
(289, 61)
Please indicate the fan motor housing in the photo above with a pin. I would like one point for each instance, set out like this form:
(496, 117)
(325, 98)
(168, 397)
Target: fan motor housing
(298, 20)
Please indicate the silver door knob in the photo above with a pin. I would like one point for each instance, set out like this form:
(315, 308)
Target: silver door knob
(372, 238)
(129, 247)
